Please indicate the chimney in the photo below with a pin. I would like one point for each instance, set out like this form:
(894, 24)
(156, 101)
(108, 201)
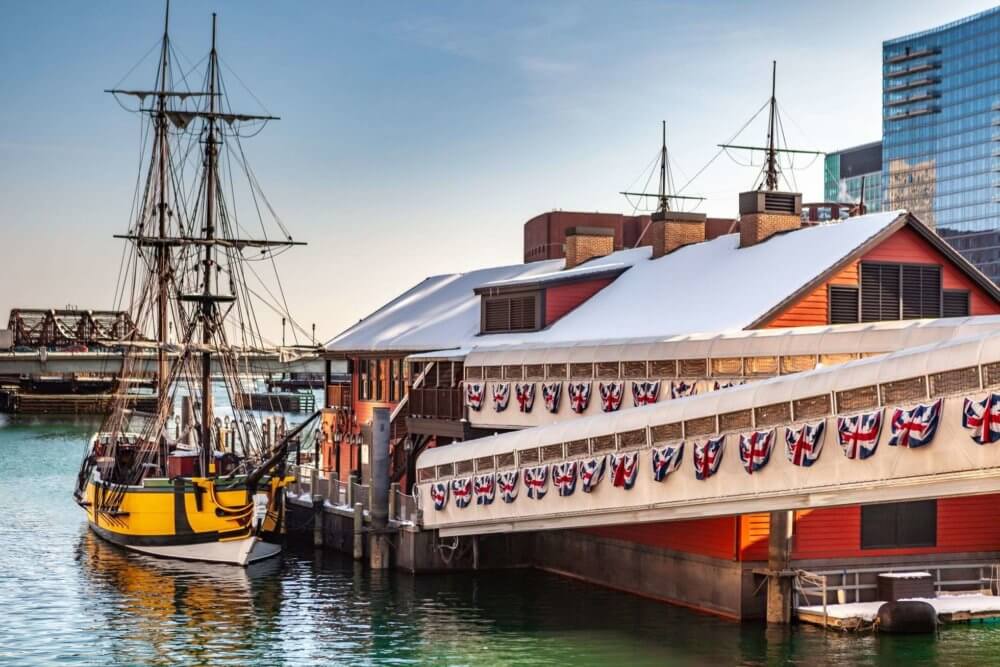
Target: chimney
(673, 229)
(584, 243)
(766, 213)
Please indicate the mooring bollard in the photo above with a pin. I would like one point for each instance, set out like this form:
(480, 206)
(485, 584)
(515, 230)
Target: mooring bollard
(359, 526)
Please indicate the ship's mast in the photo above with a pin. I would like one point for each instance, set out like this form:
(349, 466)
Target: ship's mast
(771, 170)
(162, 273)
(208, 303)
(665, 193)
(664, 204)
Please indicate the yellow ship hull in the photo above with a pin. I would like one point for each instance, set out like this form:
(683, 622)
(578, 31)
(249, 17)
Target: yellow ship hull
(201, 519)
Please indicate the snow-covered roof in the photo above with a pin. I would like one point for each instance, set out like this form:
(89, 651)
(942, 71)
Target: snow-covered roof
(714, 286)
(595, 267)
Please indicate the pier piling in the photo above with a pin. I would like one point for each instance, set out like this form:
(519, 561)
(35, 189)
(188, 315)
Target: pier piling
(378, 541)
(779, 581)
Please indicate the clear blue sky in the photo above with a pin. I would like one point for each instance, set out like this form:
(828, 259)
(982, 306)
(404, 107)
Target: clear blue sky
(417, 137)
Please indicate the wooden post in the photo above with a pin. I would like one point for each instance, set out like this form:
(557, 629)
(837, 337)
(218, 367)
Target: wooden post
(393, 495)
(779, 586)
(359, 518)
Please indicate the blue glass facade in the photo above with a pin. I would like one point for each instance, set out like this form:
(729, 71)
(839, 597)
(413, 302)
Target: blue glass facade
(941, 132)
(846, 171)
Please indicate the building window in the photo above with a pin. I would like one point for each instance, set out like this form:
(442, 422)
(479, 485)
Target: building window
(955, 303)
(381, 384)
(898, 525)
(899, 291)
(394, 380)
(364, 380)
(514, 312)
(843, 304)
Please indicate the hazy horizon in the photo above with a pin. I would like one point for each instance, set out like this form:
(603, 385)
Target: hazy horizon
(417, 138)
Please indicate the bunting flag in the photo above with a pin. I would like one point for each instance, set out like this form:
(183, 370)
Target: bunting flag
(680, 389)
(915, 427)
(804, 444)
(564, 477)
(755, 450)
(708, 456)
(858, 435)
(726, 384)
(439, 494)
(982, 419)
(666, 460)
(525, 394)
(474, 395)
(507, 481)
(592, 472)
(536, 481)
(461, 490)
(579, 396)
(486, 488)
(501, 395)
(611, 395)
(645, 392)
(551, 393)
(624, 469)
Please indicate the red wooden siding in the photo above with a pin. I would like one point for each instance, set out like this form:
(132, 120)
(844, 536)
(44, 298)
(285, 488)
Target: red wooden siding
(905, 246)
(561, 299)
(715, 537)
(753, 536)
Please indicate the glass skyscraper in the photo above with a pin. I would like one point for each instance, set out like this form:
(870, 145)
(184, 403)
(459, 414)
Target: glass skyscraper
(941, 132)
(846, 171)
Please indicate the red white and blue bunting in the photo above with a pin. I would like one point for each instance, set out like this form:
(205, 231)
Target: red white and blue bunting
(536, 481)
(439, 494)
(666, 459)
(486, 488)
(708, 456)
(525, 394)
(501, 395)
(551, 393)
(680, 389)
(579, 396)
(645, 392)
(624, 469)
(507, 482)
(726, 384)
(474, 395)
(564, 477)
(804, 444)
(755, 449)
(982, 419)
(592, 472)
(611, 395)
(915, 427)
(858, 435)
(461, 490)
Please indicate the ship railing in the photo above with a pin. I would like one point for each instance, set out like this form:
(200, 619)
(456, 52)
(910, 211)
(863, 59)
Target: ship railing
(859, 584)
(402, 506)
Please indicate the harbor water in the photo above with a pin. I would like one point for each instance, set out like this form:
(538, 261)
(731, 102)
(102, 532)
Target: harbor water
(70, 599)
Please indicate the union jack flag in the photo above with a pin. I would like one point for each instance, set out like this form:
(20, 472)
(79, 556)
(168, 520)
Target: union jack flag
(625, 469)
(708, 456)
(982, 419)
(439, 494)
(486, 488)
(551, 392)
(564, 477)
(501, 395)
(525, 393)
(579, 396)
(915, 427)
(680, 389)
(611, 395)
(536, 481)
(507, 481)
(726, 384)
(461, 489)
(858, 435)
(645, 392)
(474, 395)
(755, 449)
(666, 460)
(804, 444)
(592, 472)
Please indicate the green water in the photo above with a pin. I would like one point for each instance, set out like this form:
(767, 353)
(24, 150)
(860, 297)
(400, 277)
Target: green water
(68, 598)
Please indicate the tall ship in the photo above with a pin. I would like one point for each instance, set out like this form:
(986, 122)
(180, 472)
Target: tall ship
(206, 484)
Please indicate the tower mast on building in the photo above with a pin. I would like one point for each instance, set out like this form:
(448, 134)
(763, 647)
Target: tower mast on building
(665, 193)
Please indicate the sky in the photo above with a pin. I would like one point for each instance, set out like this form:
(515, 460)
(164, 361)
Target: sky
(416, 138)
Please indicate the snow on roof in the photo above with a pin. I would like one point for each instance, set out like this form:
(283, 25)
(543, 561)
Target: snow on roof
(714, 286)
(598, 266)
(439, 313)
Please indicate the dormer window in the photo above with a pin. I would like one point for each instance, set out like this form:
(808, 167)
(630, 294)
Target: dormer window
(518, 311)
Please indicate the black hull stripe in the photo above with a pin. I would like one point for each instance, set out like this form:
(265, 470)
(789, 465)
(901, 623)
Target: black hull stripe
(165, 540)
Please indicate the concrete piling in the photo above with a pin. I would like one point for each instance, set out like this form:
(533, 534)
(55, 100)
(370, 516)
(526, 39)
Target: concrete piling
(359, 528)
(779, 580)
(378, 542)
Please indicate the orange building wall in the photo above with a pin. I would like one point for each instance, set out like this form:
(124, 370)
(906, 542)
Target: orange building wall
(714, 537)
(561, 299)
(903, 246)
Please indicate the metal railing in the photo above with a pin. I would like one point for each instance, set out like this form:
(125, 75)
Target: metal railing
(403, 507)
